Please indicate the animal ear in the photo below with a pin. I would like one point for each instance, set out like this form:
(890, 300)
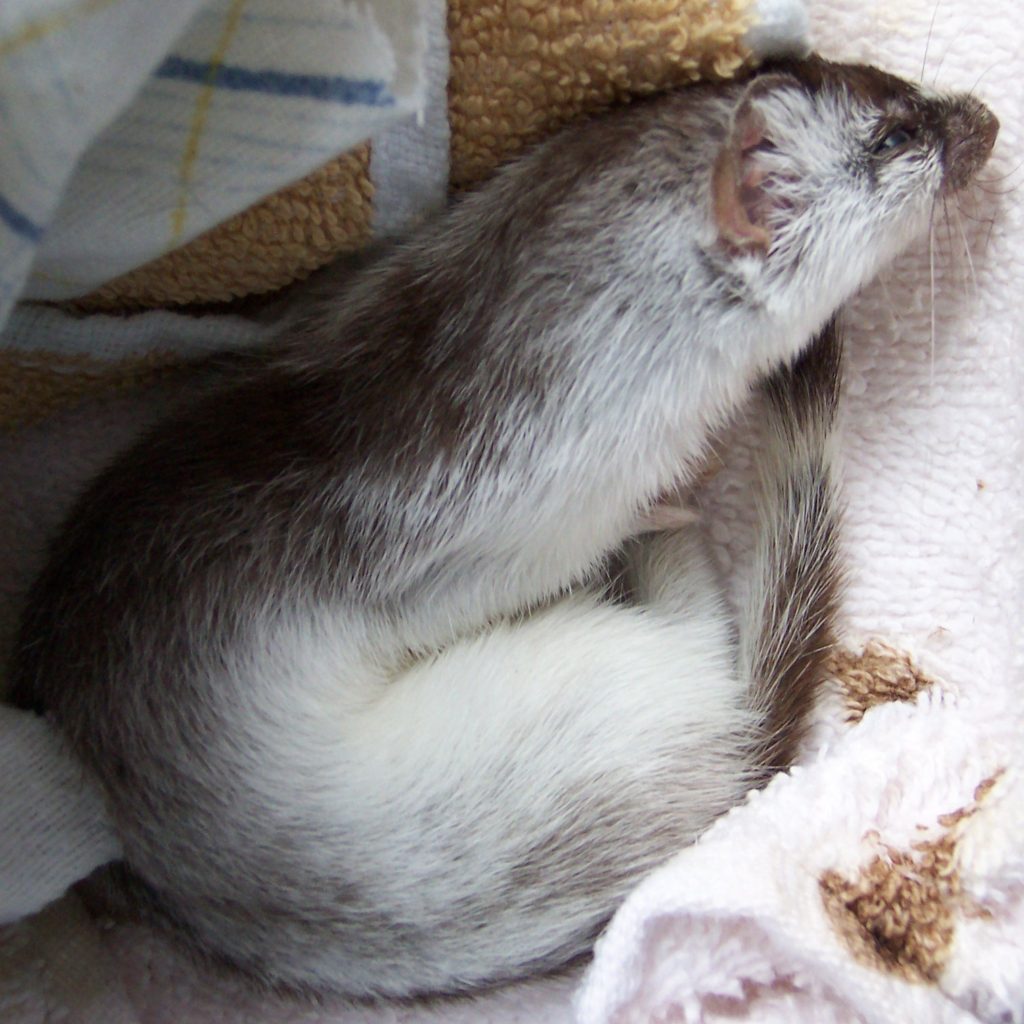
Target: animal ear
(740, 203)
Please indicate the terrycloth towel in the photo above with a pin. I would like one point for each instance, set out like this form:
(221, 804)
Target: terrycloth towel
(130, 127)
(884, 879)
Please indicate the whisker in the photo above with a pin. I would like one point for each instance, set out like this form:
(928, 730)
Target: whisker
(950, 247)
(977, 81)
(946, 221)
(883, 284)
(1000, 177)
(971, 217)
(931, 279)
(988, 235)
(995, 191)
(942, 60)
(928, 40)
(967, 251)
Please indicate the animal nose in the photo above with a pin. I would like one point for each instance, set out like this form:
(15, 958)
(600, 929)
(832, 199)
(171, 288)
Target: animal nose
(972, 134)
(986, 129)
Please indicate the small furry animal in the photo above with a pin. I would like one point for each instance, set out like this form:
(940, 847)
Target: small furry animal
(338, 640)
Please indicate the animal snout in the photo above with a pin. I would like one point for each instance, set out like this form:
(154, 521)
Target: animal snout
(972, 134)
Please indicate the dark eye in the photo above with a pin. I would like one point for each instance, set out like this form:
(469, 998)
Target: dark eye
(893, 140)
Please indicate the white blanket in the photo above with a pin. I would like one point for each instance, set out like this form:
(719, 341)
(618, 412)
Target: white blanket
(763, 920)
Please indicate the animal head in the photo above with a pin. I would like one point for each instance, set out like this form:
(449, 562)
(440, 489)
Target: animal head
(829, 170)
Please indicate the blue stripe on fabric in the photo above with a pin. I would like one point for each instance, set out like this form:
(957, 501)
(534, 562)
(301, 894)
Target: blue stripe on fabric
(332, 88)
(18, 222)
(171, 95)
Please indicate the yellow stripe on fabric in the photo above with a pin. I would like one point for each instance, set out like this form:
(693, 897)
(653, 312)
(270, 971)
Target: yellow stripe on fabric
(188, 157)
(40, 28)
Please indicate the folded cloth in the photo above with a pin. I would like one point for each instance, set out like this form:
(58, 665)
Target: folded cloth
(131, 127)
(792, 909)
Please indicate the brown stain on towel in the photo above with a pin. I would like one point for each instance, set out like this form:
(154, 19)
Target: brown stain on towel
(899, 913)
(876, 675)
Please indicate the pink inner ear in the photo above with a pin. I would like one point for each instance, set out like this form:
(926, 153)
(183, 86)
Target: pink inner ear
(748, 131)
(739, 200)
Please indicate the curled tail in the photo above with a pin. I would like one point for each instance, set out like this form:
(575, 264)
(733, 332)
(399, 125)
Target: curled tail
(788, 626)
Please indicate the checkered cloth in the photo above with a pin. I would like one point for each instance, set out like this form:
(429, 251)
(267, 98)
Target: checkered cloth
(129, 127)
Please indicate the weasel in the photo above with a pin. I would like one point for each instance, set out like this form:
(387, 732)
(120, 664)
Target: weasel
(338, 640)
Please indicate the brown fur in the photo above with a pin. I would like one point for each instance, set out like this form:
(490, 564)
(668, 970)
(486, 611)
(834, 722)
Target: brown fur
(800, 613)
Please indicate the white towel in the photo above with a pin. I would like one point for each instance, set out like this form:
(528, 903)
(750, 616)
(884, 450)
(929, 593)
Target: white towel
(749, 923)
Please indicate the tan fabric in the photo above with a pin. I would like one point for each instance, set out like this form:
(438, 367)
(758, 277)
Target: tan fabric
(33, 385)
(899, 913)
(521, 68)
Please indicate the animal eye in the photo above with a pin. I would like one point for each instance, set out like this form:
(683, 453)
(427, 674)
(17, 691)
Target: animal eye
(893, 140)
